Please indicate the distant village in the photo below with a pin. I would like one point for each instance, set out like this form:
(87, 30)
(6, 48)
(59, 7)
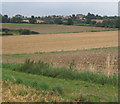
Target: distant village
(78, 17)
(74, 19)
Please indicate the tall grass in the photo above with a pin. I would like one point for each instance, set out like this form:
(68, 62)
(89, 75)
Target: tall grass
(42, 68)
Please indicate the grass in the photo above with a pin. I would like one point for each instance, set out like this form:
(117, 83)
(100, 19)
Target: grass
(79, 31)
(69, 90)
(55, 29)
(45, 69)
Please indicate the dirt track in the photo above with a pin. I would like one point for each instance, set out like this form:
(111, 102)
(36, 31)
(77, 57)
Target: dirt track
(58, 42)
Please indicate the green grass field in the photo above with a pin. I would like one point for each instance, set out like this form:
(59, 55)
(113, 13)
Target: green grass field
(77, 91)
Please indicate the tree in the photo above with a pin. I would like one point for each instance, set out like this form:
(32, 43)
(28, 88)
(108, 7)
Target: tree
(0, 18)
(93, 22)
(17, 18)
(88, 21)
(5, 19)
(73, 16)
(58, 21)
(91, 16)
(32, 20)
(70, 22)
(39, 17)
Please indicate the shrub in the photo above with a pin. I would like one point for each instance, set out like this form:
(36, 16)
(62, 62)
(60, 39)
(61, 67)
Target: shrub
(24, 31)
(33, 32)
(70, 22)
(4, 34)
(4, 29)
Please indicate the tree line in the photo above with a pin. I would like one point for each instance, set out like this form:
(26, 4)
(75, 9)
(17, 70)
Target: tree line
(89, 19)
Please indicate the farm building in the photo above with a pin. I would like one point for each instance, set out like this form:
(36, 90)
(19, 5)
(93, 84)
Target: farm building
(98, 20)
(26, 21)
(80, 16)
(40, 21)
(37, 21)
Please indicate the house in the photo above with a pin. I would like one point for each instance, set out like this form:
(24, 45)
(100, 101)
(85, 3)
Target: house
(80, 16)
(67, 17)
(25, 21)
(97, 20)
(40, 21)
(37, 21)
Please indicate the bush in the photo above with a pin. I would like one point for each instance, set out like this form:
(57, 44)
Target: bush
(24, 31)
(4, 29)
(33, 32)
(70, 22)
(4, 34)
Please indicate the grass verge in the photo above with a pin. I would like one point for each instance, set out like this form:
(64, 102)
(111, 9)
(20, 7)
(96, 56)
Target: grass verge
(45, 69)
(77, 91)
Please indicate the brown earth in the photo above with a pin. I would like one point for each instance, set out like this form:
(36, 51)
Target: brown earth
(93, 60)
(58, 42)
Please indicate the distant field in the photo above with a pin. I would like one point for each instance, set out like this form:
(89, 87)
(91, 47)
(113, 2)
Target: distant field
(58, 42)
(54, 29)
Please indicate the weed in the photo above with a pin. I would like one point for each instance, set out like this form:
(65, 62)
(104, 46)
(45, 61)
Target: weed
(80, 99)
(72, 64)
(58, 89)
(39, 85)
(18, 81)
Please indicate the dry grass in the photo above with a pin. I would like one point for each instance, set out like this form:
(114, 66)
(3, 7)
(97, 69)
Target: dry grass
(58, 42)
(20, 93)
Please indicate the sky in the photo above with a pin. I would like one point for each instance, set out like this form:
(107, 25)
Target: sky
(60, 0)
(59, 8)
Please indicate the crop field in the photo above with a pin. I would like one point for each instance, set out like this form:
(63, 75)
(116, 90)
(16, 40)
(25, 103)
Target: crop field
(54, 29)
(58, 42)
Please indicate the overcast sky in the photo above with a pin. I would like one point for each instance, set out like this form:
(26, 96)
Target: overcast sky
(59, 8)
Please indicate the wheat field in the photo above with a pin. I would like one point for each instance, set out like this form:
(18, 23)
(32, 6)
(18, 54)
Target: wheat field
(58, 42)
